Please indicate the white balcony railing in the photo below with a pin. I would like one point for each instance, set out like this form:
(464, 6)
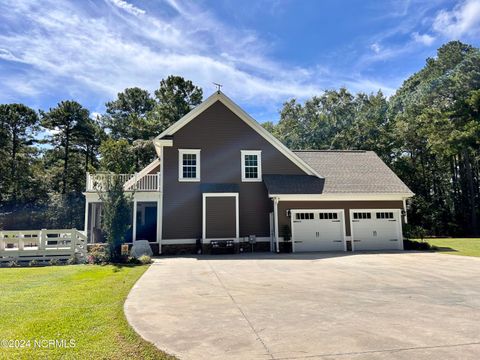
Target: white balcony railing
(131, 182)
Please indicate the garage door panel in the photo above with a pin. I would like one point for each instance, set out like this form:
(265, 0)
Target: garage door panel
(376, 229)
(318, 230)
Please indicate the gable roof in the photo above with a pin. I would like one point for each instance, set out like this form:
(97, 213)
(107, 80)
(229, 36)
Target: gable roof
(219, 96)
(354, 172)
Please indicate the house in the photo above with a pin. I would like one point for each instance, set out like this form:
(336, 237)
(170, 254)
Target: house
(220, 175)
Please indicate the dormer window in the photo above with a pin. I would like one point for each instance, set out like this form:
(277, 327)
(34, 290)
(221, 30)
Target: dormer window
(251, 165)
(188, 165)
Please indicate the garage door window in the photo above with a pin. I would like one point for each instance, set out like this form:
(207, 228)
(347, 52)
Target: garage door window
(384, 215)
(362, 215)
(328, 216)
(304, 216)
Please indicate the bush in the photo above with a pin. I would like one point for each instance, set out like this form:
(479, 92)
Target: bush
(145, 259)
(34, 263)
(417, 245)
(13, 263)
(414, 232)
(132, 260)
(98, 255)
(72, 260)
(54, 262)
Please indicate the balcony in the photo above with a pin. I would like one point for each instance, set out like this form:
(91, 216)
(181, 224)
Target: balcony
(131, 182)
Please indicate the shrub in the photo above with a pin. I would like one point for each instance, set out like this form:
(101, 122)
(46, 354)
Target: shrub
(98, 254)
(132, 260)
(72, 260)
(145, 259)
(54, 262)
(414, 232)
(13, 263)
(33, 263)
(417, 245)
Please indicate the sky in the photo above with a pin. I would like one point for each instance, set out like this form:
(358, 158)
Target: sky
(263, 52)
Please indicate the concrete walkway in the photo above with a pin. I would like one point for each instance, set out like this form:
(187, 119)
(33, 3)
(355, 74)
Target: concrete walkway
(311, 306)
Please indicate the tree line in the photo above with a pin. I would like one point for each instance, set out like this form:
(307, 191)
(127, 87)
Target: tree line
(428, 132)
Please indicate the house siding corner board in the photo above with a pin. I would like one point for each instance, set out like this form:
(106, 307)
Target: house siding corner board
(283, 206)
(220, 135)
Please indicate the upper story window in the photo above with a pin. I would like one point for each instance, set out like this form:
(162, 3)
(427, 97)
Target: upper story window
(251, 165)
(188, 165)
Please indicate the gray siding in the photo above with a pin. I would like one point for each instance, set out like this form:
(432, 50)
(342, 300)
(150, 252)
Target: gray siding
(220, 217)
(220, 135)
(283, 206)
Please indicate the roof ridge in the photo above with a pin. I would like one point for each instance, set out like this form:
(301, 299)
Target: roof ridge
(318, 150)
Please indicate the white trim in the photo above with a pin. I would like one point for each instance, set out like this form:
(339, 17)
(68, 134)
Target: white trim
(219, 96)
(204, 208)
(342, 211)
(339, 197)
(275, 218)
(258, 154)
(399, 224)
(145, 171)
(134, 221)
(85, 227)
(405, 209)
(182, 152)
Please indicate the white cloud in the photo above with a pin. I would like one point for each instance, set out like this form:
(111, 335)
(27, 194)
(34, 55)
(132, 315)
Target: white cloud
(463, 19)
(424, 39)
(128, 7)
(375, 47)
(93, 53)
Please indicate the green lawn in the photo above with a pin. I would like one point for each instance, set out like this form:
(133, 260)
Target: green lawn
(79, 302)
(457, 246)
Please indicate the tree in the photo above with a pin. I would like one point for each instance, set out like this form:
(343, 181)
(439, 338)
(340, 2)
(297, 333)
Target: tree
(127, 116)
(19, 126)
(175, 98)
(69, 124)
(438, 130)
(116, 214)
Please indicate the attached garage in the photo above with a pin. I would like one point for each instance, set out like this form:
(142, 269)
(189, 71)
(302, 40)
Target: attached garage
(318, 230)
(376, 229)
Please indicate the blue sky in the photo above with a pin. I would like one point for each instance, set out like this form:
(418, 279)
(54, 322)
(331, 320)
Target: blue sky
(263, 52)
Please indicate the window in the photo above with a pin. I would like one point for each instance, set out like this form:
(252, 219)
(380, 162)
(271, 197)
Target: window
(384, 215)
(362, 215)
(251, 165)
(304, 216)
(328, 216)
(188, 165)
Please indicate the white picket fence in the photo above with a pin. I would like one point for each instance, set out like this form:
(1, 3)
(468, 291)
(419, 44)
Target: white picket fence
(42, 245)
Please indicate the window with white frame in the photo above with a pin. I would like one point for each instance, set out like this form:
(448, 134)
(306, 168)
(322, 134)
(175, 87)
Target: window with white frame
(188, 165)
(251, 165)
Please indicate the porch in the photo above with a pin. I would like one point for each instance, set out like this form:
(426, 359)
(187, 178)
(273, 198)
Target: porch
(131, 182)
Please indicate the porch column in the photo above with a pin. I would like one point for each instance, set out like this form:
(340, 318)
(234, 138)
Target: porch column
(275, 220)
(93, 222)
(159, 224)
(134, 221)
(85, 228)
(405, 209)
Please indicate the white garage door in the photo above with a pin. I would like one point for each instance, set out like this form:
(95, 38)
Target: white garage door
(318, 230)
(376, 229)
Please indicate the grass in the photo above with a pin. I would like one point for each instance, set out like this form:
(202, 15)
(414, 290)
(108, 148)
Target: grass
(78, 302)
(457, 246)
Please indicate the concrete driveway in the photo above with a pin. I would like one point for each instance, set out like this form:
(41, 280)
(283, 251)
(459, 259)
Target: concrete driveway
(334, 306)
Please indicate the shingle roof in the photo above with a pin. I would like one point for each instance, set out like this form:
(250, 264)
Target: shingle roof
(354, 172)
(293, 184)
